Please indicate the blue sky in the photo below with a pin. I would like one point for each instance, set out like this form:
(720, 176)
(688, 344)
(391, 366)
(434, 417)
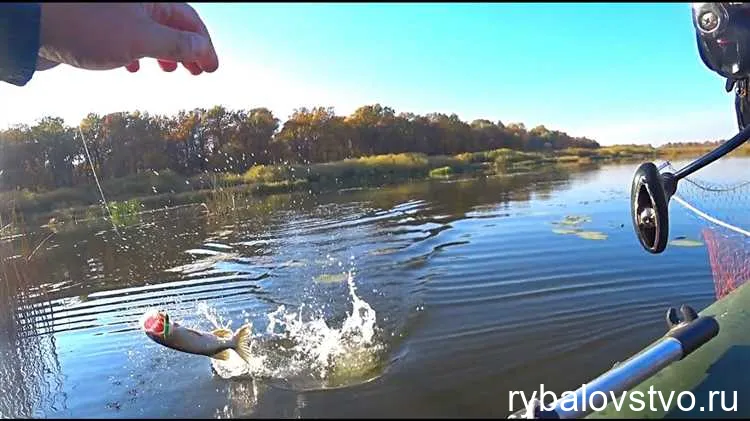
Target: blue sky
(620, 73)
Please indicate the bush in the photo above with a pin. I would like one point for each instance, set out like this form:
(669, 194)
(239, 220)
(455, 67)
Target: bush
(125, 213)
(507, 157)
(267, 174)
(579, 152)
(406, 160)
(144, 184)
(568, 159)
(369, 168)
(441, 172)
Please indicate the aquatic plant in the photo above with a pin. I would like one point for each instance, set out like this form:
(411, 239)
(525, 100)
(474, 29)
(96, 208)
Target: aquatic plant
(267, 174)
(441, 172)
(28, 363)
(125, 213)
(223, 198)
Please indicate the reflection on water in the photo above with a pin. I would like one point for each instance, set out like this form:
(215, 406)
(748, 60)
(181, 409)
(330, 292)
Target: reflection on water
(30, 374)
(461, 291)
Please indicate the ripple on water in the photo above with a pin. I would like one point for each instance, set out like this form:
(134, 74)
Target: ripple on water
(472, 284)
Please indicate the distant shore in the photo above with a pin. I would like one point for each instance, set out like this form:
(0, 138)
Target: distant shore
(209, 156)
(150, 190)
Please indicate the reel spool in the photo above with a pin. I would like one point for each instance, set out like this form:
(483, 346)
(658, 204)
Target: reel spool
(649, 206)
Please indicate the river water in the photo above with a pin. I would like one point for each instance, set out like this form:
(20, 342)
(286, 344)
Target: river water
(433, 298)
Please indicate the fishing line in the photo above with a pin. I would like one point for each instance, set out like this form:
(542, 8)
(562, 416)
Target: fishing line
(729, 255)
(714, 189)
(705, 187)
(101, 192)
(710, 218)
(703, 214)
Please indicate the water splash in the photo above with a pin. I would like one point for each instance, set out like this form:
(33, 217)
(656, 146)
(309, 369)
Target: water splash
(304, 353)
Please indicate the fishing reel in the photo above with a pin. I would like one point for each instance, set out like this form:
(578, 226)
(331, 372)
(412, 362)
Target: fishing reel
(723, 35)
(651, 192)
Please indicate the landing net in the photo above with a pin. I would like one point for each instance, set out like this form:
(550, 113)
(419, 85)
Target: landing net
(723, 209)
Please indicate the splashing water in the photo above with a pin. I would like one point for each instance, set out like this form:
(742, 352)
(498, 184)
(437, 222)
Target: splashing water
(308, 353)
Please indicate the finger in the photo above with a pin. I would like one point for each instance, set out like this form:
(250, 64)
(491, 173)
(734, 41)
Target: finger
(169, 44)
(193, 68)
(133, 66)
(178, 16)
(182, 16)
(167, 66)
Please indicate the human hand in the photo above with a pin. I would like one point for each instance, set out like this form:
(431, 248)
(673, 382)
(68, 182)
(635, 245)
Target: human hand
(103, 36)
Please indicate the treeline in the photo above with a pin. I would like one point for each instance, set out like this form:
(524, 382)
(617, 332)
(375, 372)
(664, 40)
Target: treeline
(681, 145)
(51, 155)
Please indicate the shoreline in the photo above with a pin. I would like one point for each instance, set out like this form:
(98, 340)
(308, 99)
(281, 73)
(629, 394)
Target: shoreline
(129, 195)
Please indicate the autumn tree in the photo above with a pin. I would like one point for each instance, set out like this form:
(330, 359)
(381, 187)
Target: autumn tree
(50, 155)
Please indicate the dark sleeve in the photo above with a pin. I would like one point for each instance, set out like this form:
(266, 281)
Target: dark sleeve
(19, 41)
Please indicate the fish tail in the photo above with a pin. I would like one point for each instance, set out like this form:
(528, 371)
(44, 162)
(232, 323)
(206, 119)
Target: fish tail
(242, 342)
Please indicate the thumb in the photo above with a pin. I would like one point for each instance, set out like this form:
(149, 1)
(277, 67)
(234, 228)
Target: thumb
(162, 42)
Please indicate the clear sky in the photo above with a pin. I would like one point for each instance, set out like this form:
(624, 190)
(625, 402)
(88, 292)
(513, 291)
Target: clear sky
(619, 73)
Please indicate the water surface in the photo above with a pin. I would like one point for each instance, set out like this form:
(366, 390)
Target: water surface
(430, 298)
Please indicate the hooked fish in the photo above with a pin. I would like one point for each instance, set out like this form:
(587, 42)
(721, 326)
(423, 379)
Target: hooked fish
(216, 344)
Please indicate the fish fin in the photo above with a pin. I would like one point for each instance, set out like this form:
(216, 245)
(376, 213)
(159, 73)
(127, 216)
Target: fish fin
(222, 332)
(223, 355)
(242, 342)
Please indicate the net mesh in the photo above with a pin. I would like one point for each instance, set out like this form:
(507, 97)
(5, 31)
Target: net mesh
(721, 208)
(729, 262)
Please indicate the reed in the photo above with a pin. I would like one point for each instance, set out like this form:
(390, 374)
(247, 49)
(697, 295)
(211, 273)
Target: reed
(29, 369)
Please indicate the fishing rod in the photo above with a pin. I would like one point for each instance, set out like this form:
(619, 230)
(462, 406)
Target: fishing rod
(682, 338)
(723, 35)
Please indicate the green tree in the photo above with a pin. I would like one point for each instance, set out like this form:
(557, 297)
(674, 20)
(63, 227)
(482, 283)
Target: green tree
(57, 151)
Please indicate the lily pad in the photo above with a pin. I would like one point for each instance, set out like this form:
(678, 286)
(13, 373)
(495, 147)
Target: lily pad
(685, 242)
(572, 220)
(592, 235)
(564, 231)
(331, 278)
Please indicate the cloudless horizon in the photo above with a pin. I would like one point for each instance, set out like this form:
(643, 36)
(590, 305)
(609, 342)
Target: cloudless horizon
(617, 73)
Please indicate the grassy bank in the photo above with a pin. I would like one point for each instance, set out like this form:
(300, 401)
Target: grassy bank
(166, 188)
(691, 151)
